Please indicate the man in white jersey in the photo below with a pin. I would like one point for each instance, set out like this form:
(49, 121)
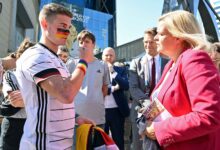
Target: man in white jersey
(6, 63)
(47, 87)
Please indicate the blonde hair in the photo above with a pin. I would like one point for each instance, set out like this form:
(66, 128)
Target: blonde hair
(183, 25)
(71, 37)
(151, 31)
(50, 10)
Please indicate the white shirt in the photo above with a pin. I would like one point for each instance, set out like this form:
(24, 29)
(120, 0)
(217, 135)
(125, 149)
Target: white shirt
(156, 91)
(157, 60)
(109, 99)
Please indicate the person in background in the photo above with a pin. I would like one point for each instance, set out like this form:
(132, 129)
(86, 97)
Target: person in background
(116, 105)
(127, 123)
(89, 101)
(44, 81)
(6, 63)
(13, 107)
(63, 53)
(188, 89)
(144, 73)
(214, 53)
(95, 84)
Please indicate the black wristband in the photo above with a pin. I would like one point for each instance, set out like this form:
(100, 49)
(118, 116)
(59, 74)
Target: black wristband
(82, 61)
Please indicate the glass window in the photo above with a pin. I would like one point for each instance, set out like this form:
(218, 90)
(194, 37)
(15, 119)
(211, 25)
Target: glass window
(99, 23)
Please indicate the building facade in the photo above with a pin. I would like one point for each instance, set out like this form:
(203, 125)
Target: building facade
(202, 9)
(18, 19)
(96, 16)
(128, 51)
(216, 6)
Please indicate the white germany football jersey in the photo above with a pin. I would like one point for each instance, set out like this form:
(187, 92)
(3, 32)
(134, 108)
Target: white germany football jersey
(49, 124)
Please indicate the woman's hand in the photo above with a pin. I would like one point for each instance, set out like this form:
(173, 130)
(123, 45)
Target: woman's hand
(150, 130)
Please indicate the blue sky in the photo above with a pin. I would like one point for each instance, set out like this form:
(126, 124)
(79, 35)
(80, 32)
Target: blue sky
(134, 16)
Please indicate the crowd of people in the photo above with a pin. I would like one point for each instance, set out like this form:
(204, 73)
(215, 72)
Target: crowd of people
(48, 95)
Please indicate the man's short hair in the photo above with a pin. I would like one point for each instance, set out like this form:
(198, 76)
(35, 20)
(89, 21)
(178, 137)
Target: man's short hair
(50, 10)
(63, 48)
(85, 34)
(151, 31)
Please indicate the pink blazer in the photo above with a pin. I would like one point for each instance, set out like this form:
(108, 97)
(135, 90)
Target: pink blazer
(192, 95)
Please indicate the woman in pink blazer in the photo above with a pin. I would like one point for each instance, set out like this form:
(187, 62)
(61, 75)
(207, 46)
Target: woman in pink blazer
(189, 88)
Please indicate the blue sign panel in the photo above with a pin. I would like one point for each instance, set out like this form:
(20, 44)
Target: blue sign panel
(83, 18)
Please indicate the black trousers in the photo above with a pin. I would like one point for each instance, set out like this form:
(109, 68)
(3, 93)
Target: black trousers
(11, 133)
(115, 123)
